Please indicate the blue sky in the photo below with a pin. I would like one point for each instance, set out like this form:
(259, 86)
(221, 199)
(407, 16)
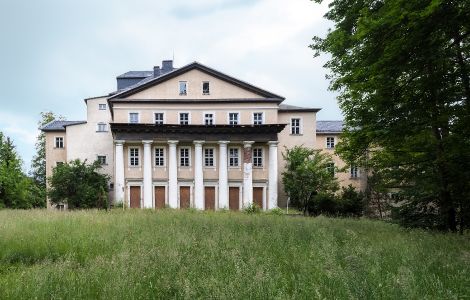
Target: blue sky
(55, 53)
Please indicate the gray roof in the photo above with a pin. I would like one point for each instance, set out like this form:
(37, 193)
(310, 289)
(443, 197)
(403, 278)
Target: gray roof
(58, 125)
(293, 108)
(136, 74)
(329, 126)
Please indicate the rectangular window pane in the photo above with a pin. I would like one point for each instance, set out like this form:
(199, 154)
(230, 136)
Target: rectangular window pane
(354, 172)
(233, 157)
(133, 118)
(102, 159)
(159, 157)
(159, 118)
(134, 156)
(233, 118)
(102, 106)
(205, 88)
(208, 119)
(184, 118)
(183, 88)
(257, 118)
(209, 157)
(330, 142)
(257, 157)
(295, 126)
(59, 142)
(101, 127)
(184, 157)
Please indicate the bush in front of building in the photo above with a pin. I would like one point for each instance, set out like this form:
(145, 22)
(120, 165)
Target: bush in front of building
(349, 203)
(79, 185)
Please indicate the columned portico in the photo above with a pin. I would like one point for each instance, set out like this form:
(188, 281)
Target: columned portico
(247, 174)
(273, 176)
(198, 176)
(147, 203)
(119, 167)
(172, 175)
(223, 175)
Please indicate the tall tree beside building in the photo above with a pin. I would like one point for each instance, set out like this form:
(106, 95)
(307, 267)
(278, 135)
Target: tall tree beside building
(402, 70)
(38, 164)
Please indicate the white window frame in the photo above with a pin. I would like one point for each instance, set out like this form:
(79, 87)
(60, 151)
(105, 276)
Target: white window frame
(155, 156)
(301, 129)
(328, 144)
(262, 117)
(184, 112)
(238, 158)
(253, 157)
(105, 159)
(189, 156)
(351, 174)
(138, 117)
(187, 88)
(202, 87)
(55, 142)
(101, 124)
(214, 160)
(238, 118)
(155, 119)
(204, 117)
(102, 106)
(138, 157)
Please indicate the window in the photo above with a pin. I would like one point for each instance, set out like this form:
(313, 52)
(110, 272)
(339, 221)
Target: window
(209, 157)
(59, 142)
(233, 157)
(205, 88)
(184, 118)
(233, 118)
(133, 117)
(102, 106)
(102, 127)
(257, 157)
(208, 119)
(159, 119)
(354, 172)
(184, 157)
(134, 157)
(295, 126)
(183, 85)
(331, 169)
(330, 142)
(159, 157)
(257, 118)
(101, 159)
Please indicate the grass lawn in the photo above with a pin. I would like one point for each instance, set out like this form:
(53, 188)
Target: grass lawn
(175, 254)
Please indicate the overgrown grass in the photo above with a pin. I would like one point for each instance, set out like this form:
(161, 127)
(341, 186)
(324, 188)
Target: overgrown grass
(175, 254)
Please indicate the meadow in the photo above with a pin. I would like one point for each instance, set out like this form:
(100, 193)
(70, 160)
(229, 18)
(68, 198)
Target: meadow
(185, 254)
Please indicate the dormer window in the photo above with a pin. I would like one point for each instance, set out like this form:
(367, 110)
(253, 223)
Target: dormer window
(183, 85)
(205, 88)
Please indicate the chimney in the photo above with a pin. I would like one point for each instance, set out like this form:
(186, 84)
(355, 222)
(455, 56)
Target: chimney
(167, 66)
(156, 71)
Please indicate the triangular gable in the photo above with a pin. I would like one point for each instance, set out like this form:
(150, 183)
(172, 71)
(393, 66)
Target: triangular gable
(197, 66)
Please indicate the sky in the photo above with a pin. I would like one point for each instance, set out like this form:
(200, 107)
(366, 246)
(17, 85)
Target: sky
(55, 53)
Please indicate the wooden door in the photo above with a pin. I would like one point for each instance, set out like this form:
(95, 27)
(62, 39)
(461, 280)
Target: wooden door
(159, 197)
(209, 198)
(185, 196)
(135, 196)
(258, 196)
(234, 198)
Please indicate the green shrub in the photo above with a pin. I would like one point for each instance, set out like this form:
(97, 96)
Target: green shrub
(276, 211)
(351, 202)
(252, 209)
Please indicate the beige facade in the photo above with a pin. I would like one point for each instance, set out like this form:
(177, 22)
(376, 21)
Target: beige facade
(188, 137)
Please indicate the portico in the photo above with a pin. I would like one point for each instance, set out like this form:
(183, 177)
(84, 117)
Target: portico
(195, 175)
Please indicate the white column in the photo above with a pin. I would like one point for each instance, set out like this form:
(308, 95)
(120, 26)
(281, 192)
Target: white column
(273, 175)
(247, 174)
(172, 175)
(119, 169)
(147, 174)
(198, 176)
(223, 175)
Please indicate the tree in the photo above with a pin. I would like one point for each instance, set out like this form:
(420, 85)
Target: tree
(402, 70)
(308, 173)
(79, 185)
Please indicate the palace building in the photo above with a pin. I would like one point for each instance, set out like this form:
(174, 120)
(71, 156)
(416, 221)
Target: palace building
(189, 137)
